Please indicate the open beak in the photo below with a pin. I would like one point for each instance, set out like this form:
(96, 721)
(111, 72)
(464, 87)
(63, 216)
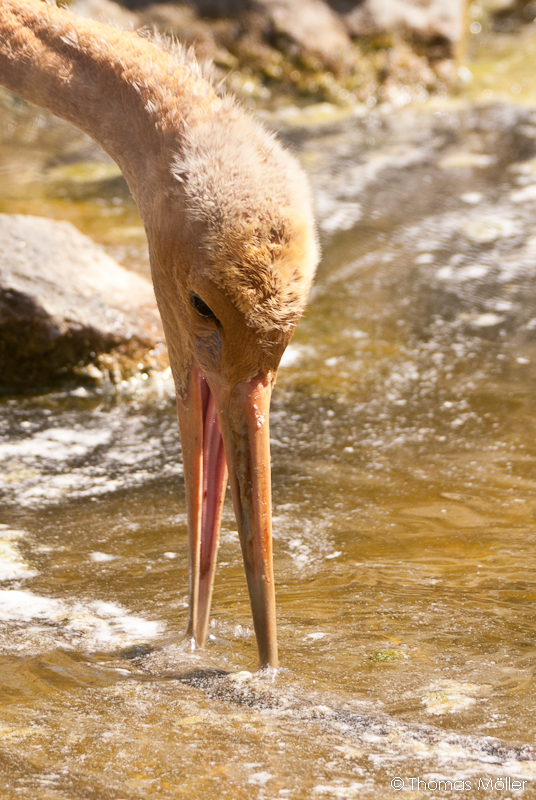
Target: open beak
(222, 428)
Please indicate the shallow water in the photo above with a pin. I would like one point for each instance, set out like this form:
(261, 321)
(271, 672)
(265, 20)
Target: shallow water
(404, 469)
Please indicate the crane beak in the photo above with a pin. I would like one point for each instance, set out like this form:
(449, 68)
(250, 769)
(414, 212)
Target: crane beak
(222, 428)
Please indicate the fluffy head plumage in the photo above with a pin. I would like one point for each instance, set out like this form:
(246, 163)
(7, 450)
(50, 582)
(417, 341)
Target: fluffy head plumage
(253, 202)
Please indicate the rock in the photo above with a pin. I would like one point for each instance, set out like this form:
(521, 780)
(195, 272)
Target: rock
(69, 311)
(425, 20)
(311, 25)
(301, 27)
(324, 50)
(182, 21)
(499, 6)
(105, 11)
(505, 15)
(322, 26)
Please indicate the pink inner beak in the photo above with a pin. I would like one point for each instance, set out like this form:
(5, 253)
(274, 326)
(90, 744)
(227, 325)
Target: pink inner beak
(220, 429)
(214, 470)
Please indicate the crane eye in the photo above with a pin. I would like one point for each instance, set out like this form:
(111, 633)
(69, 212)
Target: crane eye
(201, 307)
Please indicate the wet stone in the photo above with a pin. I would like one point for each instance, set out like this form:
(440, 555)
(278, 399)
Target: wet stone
(423, 19)
(68, 311)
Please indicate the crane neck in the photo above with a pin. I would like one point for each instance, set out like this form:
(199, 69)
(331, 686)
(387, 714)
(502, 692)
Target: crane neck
(137, 100)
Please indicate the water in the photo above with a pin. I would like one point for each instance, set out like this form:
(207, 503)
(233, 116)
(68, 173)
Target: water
(404, 469)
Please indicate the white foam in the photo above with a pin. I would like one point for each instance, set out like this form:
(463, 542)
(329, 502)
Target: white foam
(292, 355)
(89, 438)
(463, 159)
(19, 605)
(528, 193)
(98, 556)
(58, 444)
(425, 258)
(485, 230)
(36, 469)
(472, 198)
(451, 697)
(487, 320)
(86, 625)
(342, 217)
(12, 564)
(260, 778)
(339, 789)
(37, 448)
(336, 553)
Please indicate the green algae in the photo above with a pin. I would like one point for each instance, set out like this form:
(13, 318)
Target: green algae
(379, 69)
(384, 656)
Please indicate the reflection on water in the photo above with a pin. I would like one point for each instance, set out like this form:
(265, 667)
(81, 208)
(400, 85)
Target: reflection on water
(51, 169)
(404, 454)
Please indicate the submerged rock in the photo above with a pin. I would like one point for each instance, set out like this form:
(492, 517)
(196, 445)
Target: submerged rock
(69, 311)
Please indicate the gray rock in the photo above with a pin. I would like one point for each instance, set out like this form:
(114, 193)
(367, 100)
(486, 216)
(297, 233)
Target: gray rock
(105, 11)
(306, 26)
(68, 310)
(505, 15)
(426, 20)
(314, 48)
(182, 21)
(311, 24)
(322, 26)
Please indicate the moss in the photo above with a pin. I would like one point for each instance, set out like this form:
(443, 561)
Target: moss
(384, 655)
(28, 358)
(380, 68)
